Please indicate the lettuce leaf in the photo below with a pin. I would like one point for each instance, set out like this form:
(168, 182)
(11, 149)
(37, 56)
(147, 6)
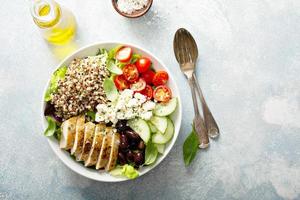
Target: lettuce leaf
(125, 170)
(59, 74)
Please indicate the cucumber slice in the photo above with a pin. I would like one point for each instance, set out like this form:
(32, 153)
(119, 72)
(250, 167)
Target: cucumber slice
(160, 123)
(160, 148)
(141, 127)
(165, 109)
(153, 129)
(160, 138)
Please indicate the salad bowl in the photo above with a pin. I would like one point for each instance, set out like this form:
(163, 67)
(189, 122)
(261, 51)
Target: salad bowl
(176, 117)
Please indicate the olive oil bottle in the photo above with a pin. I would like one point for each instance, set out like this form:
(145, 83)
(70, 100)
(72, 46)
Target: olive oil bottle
(56, 23)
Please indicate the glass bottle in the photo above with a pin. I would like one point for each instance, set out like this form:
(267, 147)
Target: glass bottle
(56, 23)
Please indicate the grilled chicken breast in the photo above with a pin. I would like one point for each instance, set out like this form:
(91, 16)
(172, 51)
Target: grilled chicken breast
(68, 129)
(78, 143)
(89, 131)
(105, 150)
(96, 146)
(113, 152)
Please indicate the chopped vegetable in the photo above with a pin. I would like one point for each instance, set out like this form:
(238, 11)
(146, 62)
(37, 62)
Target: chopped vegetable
(143, 64)
(131, 73)
(59, 74)
(51, 127)
(110, 89)
(162, 93)
(121, 83)
(125, 170)
(139, 85)
(148, 76)
(160, 78)
(124, 54)
(150, 153)
(113, 68)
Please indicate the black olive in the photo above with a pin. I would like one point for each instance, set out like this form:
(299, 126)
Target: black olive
(133, 145)
(109, 124)
(138, 158)
(124, 142)
(121, 158)
(49, 109)
(133, 136)
(141, 145)
(129, 156)
(121, 126)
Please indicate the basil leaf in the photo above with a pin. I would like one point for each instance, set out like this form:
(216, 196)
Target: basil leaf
(113, 68)
(190, 147)
(110, 89)
(51, 127)
(59, 74)
(135, 57)
(150, 153)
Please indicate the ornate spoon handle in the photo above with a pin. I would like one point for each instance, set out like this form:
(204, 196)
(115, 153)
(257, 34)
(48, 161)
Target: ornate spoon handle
(198, 120)
(210, 122)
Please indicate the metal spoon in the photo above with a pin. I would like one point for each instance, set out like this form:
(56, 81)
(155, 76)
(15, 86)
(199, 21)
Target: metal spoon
(210, 122)
(186, 53)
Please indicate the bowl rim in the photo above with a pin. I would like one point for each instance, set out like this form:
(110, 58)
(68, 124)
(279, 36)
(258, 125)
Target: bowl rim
(57, 151)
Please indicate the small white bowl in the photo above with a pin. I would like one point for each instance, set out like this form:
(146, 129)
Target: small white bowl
(103, 176)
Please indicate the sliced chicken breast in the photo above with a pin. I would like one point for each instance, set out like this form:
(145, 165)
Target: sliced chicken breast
(89, 131)
(78, 143)
(113, 152)
(68, 129)
(105, 150)
(96, 146)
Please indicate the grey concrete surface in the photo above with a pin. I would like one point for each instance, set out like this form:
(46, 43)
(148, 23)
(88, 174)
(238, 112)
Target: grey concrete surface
(249, 70)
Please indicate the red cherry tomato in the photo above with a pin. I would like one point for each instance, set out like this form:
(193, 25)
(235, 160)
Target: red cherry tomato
(131, 73)
(160, 78)
(148, 92)
(162, 93)
(124, 54)
(143, 64)
(148, 76)
(139, 85)
(121, 82)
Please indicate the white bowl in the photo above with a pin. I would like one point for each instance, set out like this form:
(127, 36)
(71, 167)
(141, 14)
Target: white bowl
(176, 117)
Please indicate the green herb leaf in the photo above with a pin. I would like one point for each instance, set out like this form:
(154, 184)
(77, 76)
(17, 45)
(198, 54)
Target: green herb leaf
(51, 127)
(190, 147)
(150, 153)
(110, 89)
(101, 51)
(59, 74)
(113, 68)
(91, 114)
(112, 52)
(135, 57)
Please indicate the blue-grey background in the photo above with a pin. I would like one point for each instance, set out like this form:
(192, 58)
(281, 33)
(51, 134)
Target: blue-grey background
(249, 69)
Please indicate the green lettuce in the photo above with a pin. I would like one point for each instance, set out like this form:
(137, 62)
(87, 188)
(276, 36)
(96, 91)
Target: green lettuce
(125, 170)
(59, 74)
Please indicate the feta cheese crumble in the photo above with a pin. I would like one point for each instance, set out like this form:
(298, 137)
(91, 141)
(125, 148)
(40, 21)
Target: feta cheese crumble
(128, 106)
(129, 6)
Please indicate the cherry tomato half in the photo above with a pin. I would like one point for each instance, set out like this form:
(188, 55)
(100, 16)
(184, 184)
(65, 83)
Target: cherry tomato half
(162, 93)
(139, 85)
(148, 76)
(143, 64)
(124, 54)
(160, 78)
(148, 92)
(131, 73)
(121, 82)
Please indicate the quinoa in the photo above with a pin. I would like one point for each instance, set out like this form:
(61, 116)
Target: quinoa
(82, 88)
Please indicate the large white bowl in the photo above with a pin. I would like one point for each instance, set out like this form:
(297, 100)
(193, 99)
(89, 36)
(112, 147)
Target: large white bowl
(91, 50)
